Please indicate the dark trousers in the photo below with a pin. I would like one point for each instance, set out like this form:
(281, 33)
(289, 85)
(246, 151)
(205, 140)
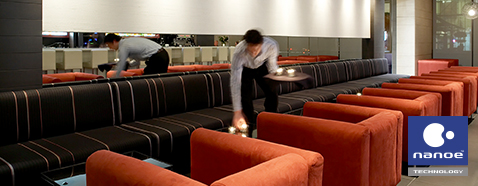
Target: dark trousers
(247, 83)
(157, 63)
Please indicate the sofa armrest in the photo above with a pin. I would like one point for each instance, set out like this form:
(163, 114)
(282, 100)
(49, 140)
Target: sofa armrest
(452, 96)
(409, 106)
(108, 168)
(342, 144)
(215, 155)
(432, 100)
(336, 112)
(289, 169)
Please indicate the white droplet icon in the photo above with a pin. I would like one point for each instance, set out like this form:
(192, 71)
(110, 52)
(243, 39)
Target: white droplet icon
(432, 135)
(450, 135)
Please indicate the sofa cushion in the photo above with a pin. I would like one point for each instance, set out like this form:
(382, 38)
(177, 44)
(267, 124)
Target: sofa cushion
(34, 114)
(49, 79)
(61, 151)
(170, 134)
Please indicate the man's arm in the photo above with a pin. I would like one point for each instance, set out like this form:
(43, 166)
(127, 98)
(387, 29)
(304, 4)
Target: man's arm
(120, 66)
(236, 77)
(273, 54)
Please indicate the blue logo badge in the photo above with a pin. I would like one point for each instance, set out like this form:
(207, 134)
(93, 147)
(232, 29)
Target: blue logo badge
(437, 140)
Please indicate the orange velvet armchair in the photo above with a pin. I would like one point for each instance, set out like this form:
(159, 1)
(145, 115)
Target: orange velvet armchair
(410, 103)
(469, 85)
(427, 65)
(215, 155)
(451, 92)
(109, 168)
(241, 161)
(361, 145)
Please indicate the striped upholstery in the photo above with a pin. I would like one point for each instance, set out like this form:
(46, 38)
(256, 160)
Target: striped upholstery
(379, 66)
(33, 114)
(330, 73)
(55, 127)
(60, 151)
(220, 88)
(59, 127)
(359, 69)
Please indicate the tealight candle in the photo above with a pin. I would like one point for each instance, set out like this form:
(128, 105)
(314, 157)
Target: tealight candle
(279, 71)
(291, 72)
(232, 129)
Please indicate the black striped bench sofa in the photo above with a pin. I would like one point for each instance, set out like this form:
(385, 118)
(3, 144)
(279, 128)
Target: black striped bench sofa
(44, 129)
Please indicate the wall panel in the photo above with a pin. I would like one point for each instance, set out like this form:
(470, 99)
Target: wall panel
(312, 18)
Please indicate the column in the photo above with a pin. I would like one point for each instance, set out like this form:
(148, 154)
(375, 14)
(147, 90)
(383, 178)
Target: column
(414, 34)
(20, 44)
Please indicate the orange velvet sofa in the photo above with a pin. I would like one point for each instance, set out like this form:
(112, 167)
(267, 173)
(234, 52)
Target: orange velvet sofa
(428, 65)
(451, 92)
(109, 168)
(290, 62)
(287, 58)
(216, 159)
(215, 155)
(326, 57)
(69, 76)
(361, 145)
(128, 73)
(410, 103)
(469, 89)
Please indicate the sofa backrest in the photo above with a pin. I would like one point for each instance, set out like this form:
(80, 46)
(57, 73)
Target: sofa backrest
(220, 83)
(330, 73)
(362, 68)
(146, 98)
(379, 66)
(40, 113)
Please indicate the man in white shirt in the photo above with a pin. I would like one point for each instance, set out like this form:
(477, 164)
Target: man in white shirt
(254, 57)
(157, 59)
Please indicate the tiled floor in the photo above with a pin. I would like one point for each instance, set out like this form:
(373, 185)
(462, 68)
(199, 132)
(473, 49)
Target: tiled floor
(470, 180)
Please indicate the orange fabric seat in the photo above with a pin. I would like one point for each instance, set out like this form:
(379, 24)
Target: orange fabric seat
(212, 152)
(469, 89)
(112, 74)
(410, 103)
(181, 68)
(287, 58)
(428, 65)
(366, 140)
(326, 57)
(223, 65)
(307, 58)
(49, 79)
(109, 168)
(452, 93)
(290, 62)
(75, 76)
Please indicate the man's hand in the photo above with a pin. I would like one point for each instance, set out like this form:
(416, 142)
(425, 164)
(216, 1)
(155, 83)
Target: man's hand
(238, 120)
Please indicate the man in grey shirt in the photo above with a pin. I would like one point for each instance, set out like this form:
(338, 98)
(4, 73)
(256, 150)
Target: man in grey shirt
(254, 57)
(157, 59)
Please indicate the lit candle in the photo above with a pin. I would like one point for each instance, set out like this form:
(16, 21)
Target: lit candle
(359, 94)
(279, 71)
(232, 129)
(291, 72)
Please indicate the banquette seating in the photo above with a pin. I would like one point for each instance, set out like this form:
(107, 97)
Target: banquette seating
(44, 129)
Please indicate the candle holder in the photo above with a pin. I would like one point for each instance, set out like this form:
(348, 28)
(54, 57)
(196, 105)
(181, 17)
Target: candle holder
(291, 72)
(279, 71)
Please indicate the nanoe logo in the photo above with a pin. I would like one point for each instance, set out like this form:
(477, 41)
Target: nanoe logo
(437, 140)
